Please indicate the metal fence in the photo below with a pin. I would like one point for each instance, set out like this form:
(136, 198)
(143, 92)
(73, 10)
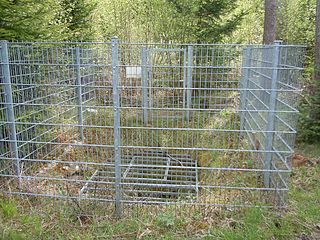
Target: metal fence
(168, 124)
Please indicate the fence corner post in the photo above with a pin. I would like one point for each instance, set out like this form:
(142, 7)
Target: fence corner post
(116, 109)
(79, 93)
(271, 112)
(189, 82)
(184, 77)
(244, 85)
(144, 79)
(10, 107)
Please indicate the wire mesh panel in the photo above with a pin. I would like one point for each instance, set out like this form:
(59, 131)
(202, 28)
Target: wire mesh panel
(57, 92)
(272, 128)
(202, 125)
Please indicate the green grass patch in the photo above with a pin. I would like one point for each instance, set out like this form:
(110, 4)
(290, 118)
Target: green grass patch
(46, 219)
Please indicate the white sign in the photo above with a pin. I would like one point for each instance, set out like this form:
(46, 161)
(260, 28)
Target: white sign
(133, 72)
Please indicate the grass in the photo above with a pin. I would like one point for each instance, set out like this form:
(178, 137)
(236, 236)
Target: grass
(35, 219)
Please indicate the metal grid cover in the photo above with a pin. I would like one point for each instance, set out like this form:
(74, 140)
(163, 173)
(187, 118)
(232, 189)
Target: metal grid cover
(152, 176)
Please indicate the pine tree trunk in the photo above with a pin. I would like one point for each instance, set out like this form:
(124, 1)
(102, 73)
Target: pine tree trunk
(317, 46)
(315, 112)
(270, 21)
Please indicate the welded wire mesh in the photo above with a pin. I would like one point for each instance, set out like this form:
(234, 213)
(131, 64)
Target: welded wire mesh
(202, 124)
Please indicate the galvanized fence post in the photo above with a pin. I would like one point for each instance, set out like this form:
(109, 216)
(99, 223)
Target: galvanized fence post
(244, 85)
(10, 107)
(144, 79)
(116, 109)
(149, 80)
(79, 93)
(189, 81)
(271, 112)
(184, 77)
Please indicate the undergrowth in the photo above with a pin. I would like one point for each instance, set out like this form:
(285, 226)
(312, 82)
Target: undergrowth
(43, 219)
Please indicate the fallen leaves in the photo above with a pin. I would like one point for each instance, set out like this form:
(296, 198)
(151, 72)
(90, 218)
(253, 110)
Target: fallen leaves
(299, 160)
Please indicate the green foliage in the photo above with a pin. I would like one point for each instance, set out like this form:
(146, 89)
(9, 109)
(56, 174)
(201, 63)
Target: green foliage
(29, 20)
(211, 20)
(14, 235)
(296, 21)
(8, 208)
(309, 121)
(166, 220)
(167, 20)
(77, 15)
(34, 20)
(250, 29)
(297, 25)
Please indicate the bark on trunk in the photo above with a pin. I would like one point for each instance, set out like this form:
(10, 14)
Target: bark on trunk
(317, 46)
(270, 21)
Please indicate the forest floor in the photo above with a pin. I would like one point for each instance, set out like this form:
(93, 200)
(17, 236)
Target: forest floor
(300, 221)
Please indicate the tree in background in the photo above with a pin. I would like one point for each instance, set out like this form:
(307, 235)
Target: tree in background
(316, 113)
(250, 29)
(300, 27)
(317, 45)
(167, 20)
(207, 20)
(116, 18)
(50, 20)
(296, 24)
(270, 21)
(76, 14)
(310, 120)
(29, 20)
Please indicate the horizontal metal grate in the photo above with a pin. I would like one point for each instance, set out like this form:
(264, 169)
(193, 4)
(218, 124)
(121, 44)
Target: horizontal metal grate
(150, 176)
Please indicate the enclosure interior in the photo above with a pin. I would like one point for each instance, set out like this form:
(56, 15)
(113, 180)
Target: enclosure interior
(196, 124)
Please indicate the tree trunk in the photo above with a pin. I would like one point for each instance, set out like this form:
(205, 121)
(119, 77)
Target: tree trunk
(317, 46)
(270, 21)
